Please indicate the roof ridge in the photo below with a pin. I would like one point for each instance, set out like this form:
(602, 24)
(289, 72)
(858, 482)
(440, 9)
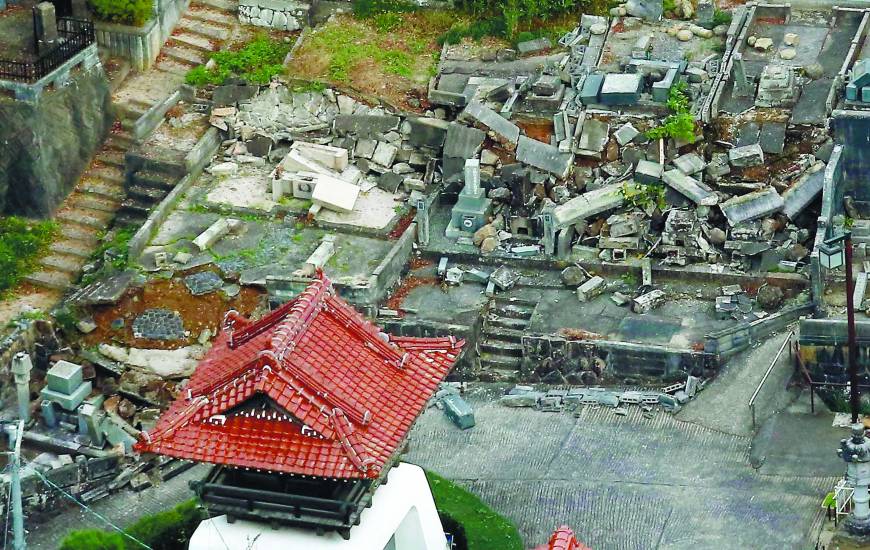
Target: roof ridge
(356, 452)
(305, 308)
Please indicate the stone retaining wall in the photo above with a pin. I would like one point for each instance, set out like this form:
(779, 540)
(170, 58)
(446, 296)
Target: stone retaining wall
(285, 15)
(141, 45)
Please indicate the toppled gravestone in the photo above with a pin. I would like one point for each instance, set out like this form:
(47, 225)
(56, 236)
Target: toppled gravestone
(573, 276)
(203, 282)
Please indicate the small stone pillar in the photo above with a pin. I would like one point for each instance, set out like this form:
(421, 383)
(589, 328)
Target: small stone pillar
(472, 177)
(422, 218)
(49, 417)
(856, 452)
(742, 84)
(21, 367)
(45, 26)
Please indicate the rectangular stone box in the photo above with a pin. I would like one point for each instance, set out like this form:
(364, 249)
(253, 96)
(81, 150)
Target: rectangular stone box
(65, 377)
(70, 401)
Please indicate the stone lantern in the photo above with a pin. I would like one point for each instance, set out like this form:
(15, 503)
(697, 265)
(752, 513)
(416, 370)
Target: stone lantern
(856, 452)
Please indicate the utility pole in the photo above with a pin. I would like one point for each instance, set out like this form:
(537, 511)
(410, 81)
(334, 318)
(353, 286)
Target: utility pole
(15, 489)
(854, 397)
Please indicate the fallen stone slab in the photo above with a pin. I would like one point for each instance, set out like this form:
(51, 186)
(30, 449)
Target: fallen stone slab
(213, 234)
(105, 291)
(751, 206)
(544, 157)
(588, 204)
(534, 46)
(334, 158)
(462, 141)
(625, 134)
(803, 191)
(648, 172)
(203, 282)
(503, 129)
(691, 188)
(648, 302)
(335, 194)
(746, 156)
(427, 132)
(690, 163)
(368, 126)
(158, 324)
(593, 139)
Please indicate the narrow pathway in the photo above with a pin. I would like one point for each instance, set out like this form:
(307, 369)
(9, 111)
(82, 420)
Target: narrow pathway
(90, 210)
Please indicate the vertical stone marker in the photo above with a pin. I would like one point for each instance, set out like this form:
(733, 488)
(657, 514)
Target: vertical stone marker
(45, 25)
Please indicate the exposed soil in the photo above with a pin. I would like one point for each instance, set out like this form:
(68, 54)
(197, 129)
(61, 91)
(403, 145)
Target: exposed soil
(198, 312)
(408, 284)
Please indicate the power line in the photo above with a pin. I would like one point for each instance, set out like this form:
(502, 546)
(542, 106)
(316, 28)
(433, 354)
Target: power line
(87, 508)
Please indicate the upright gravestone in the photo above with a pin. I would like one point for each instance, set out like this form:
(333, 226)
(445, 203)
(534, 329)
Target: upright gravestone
(45, 25)
(706, 12)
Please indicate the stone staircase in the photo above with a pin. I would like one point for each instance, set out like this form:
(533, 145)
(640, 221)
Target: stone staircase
(85, 215)
(203, 29)
(501, 343)
(100, 194)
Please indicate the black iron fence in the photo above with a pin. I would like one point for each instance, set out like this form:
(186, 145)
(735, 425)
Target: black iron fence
(74, 35)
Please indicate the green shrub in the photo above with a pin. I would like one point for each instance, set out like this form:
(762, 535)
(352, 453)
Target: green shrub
(167, 530)
(21, 243)
(480, 526)
(721, 17)
(369, 8)
(490, 26)
(680, 124)
(93, 539)
(126, 12)
(257, 62)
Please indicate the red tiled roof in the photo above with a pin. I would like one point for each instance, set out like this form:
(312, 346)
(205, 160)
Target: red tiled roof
(350, 392)
(563, 539)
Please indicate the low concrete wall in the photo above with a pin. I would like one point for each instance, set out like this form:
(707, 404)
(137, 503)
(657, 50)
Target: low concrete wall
(195, 161)
(730, 341)
(388, 272)
(152, 118)
(141, 45)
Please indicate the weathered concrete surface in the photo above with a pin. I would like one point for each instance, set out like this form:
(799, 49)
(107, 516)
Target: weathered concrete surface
(632, 482)
(44, 146)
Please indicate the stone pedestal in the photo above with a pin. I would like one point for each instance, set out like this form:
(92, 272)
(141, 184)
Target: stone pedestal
(473, 208)
(856, 452)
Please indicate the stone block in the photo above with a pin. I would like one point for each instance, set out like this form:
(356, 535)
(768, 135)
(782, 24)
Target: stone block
(690, 163)
(649, 301)
(625, 134)
(691, 188)
(534, 46)
(334, 158)
(590, 289)
(67, 401)
(544, 157)
(751, 206)
(385, 154)
(648, 172)
(746, 156)
(591, 88)
(65, 377)
(621, 89)
(335, 194)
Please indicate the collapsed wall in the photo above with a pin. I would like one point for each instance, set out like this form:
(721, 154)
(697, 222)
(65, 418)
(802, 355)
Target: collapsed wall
(47, 143)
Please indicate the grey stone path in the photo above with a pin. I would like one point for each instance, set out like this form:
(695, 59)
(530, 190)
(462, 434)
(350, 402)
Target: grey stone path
(626, 482)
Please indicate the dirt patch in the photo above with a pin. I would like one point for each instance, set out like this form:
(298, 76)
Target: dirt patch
(541, 130)
(198, 312)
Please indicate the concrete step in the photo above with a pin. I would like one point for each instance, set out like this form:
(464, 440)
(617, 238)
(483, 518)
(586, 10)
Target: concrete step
(211, 16)
(500, 348)
(183, 55)
(206, 30)
(50, 278)
(73, 247)
(129, 219)
(513, 301)
(93, 202)
(504, 334)
(82, 236)
(113, 159)
(507, 322)
(110, 190)
(173, 66)
(85, 217)
(492, 361)
(226, 6)
(512, 312)
(154, 180)
(148, 195)
(120, 140)
(192, 42)
(127, 110)
(135, 207)
(62, 262)
(106, 173)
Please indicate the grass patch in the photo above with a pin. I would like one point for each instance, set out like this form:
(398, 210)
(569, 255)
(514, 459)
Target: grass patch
(386, 52)
(480, 526)
(113, 252)
(256, 62)
(167, 530)
(22, 242)
(680, 124)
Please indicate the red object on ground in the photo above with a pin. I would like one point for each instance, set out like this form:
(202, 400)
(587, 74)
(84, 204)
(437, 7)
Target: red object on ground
(310, 389)
(563, 539)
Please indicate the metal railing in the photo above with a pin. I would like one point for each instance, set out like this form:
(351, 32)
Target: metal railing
(764, 378)
(74, 35)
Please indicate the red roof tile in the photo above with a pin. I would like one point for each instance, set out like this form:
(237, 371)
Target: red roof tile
(345, 394)
(563, 539)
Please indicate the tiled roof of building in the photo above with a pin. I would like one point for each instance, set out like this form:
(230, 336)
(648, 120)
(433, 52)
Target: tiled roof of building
(563, 539)
(310, 389)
